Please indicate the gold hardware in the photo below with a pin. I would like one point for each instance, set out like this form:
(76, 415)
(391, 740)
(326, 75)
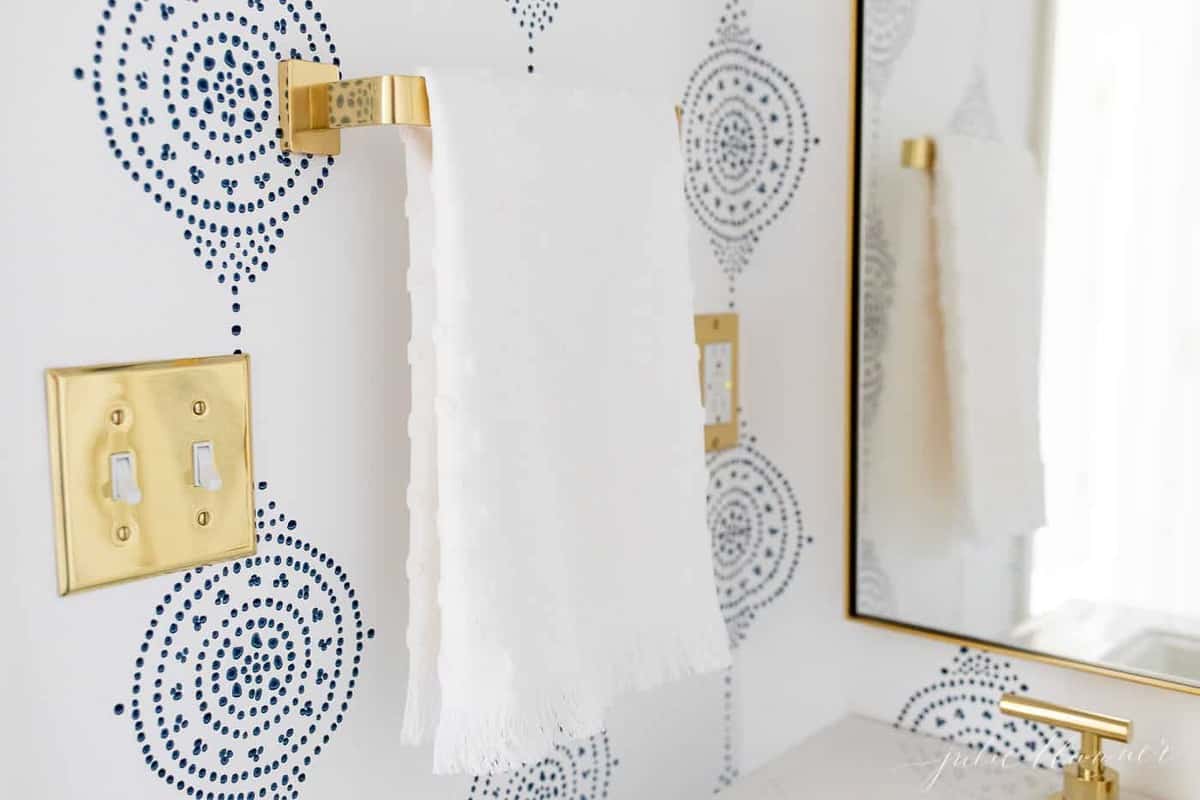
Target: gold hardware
(199, 408)
(850, 333)
(315, 105)
(919, 153)
(721, 428)
(1088, 778)
(124, 482)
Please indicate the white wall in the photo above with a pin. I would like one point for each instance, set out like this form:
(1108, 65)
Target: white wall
(96, 271)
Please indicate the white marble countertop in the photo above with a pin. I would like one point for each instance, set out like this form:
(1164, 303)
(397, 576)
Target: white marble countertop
(857, 758)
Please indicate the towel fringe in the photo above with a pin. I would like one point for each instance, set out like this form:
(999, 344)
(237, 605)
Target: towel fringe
(475, 742)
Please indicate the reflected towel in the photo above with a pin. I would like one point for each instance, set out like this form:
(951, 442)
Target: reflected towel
(989, 209)
(559, 550)
(912, 500)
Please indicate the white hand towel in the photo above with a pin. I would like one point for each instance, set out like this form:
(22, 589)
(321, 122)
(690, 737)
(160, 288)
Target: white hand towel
(989, 212)
(560, 554)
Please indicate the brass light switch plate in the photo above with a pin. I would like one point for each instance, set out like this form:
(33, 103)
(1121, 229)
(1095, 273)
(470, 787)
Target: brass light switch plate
(152, 468)
(717, 337)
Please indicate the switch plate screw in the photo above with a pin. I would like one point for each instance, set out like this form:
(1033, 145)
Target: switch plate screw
(203, 518)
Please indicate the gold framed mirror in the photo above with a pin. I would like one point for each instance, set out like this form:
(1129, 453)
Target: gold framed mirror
(1023, 416)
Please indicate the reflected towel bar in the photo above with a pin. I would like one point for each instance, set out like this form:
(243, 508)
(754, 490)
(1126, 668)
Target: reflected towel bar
(919, 153)
(314, 105)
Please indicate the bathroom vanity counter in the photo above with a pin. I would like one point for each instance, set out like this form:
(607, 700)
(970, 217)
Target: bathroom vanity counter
(857, 758)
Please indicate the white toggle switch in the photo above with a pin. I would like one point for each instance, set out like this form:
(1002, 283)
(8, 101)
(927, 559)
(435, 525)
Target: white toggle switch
(204, 468)
(123, 477)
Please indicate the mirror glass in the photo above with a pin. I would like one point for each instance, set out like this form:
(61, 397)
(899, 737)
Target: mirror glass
(1027, 365)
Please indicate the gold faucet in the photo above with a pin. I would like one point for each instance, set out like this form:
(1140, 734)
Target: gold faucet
(1088, 778)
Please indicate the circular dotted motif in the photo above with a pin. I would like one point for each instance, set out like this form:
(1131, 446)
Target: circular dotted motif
(247, 669)
(533, 17)
(962, 707)
(887, 28)
(878, 277)
(874, 593)
(974, 116)
(757, 534)
(186, 97)
(733, 24)
(746, 143)
(579, 771)
(730, 771)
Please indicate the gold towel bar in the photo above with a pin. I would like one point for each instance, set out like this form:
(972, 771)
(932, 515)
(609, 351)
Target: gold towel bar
(920, 153)
(314, 105)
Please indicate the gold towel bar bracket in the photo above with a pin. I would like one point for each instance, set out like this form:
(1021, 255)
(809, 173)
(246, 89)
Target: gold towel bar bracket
(314, 105)
(919, 153)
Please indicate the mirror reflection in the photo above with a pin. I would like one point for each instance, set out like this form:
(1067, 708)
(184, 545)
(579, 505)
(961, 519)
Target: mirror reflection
(1028, 427)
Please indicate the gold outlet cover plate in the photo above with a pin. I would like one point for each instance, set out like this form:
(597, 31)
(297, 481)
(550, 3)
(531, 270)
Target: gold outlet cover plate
(157, 411)
(720, 329)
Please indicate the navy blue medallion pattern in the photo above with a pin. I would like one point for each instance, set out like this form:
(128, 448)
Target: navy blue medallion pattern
(746, 141)
(877, 273)
(730, 771)
(975, 115)
(246, 669)
(533, 17)
(757, 532)
(185, 96)
(962, 706)
(888, 27)
(577, 771)
(875, 595)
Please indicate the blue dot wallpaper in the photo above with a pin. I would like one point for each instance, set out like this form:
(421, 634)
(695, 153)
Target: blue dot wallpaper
(150, 214)
(746, 140)
(961, 706)
(247, 669)
(758, 534)
(533, 17)
(581, 771)
(184, 97)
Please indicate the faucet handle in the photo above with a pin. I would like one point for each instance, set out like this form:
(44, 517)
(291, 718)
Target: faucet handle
(1088, 778)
